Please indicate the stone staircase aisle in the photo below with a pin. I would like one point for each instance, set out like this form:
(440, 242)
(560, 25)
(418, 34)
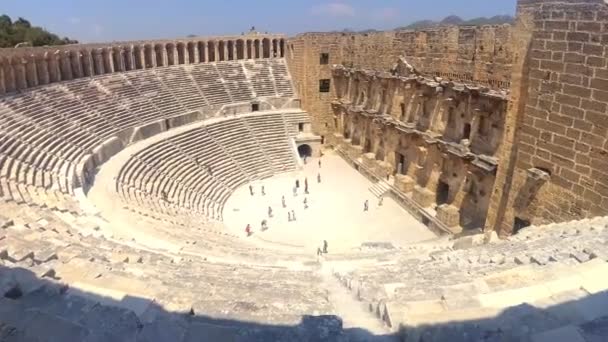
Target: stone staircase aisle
(358, 323)
(379, 188)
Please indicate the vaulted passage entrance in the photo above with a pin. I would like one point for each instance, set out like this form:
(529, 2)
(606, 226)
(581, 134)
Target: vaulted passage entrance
(305, 151)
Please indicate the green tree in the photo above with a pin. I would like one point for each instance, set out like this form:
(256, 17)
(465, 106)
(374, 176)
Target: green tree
(22, 31)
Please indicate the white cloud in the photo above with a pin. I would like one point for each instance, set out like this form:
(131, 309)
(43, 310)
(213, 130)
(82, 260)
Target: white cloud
(334, 9)
(75, 20)
(385, 14)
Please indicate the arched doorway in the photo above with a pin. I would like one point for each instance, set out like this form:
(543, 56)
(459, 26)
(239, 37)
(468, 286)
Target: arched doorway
(305, 151)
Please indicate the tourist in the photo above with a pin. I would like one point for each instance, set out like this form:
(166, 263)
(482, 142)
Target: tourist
(209, 170)
(269, 212)
(295, 191)
(366, 205)
(248, 230)
(380, 200)
(306, 182)
(319, 251)
(305, 203)
(293, 215)
(283, 202)
(264, 225)
(319, 177)
(164, 196)
(297, 183)
(306, 189)
(251, 190)
(263, 192)
(325, 246)
(289, 216)
(319, 163)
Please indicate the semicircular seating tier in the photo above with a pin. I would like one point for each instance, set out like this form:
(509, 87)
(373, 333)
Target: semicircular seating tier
(47, 133)
(195, 172)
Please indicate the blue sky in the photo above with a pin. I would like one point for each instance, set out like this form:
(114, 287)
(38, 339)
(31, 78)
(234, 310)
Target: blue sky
(106, 20)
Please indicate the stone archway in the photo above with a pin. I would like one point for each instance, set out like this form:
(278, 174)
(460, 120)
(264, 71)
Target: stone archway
(305, 150)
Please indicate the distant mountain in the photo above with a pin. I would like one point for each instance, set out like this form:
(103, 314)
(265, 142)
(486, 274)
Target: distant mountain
(456, 20)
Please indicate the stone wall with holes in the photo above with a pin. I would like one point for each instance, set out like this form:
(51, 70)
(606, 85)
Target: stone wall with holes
(436, 140)
(22, 68)
(554, 160)
(480, 55)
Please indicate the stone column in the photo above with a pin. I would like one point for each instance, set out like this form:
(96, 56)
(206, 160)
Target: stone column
(196, 57)
(9, 76)
(20, 73)
(99, 64)
(76, 61)
(186, 54)
(174, 53)
(225, 48)
(42, 67)
(235, 55)
(54, 71)
(87, 63)
(130, 58)
(474, 128)
(31, 73)
(108, 65)
(66, 65)
(245, 52)
(2, 86)
(165, 57)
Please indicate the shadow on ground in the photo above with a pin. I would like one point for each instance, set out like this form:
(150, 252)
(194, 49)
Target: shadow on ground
(44, 309)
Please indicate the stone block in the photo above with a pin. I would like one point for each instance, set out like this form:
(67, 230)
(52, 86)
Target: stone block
(356, 152)
(448, 215)
(423, 196)
(404, 183)
(185, 119)
(107, 150)
(383, 169)
(147, 131)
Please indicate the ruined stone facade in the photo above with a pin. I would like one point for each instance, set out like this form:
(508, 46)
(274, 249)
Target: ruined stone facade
(30, 67)
(479, 54)
(437, 138)
(482, 159)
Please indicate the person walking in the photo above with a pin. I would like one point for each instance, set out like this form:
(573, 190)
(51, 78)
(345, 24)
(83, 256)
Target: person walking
(293, 215)
(297, 183)
(366, 205)
(248, 230)
(251, 189)
(306, 185)
(380, 200)
(283, 202)
(319, 177)
(269, 212)
(295, 191)
(325, 246)
(264, 225)
(263, 192)
(289, 216)
(305, 203)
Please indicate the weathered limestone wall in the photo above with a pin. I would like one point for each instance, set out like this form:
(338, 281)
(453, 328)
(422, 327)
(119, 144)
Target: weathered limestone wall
(437, 138)
(480, 55)
(23, 68)
(555, 148)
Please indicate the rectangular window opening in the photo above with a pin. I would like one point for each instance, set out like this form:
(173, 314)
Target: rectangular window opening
(324, 60)
(324, 85)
